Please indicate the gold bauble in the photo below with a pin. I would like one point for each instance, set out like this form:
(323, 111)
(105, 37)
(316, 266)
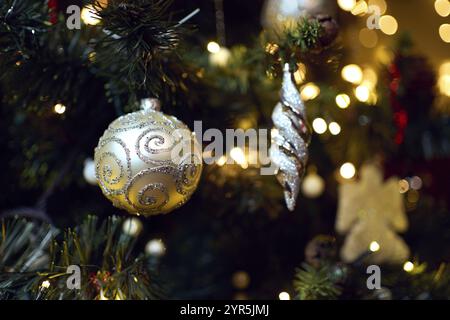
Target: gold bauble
(147, 162)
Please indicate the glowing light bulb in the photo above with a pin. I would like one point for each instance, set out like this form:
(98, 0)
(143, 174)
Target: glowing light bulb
(346, 5)
(59, 108)
(45, 284)
(352, 73)
(442, 7)
(408, 266)
(237, 154)
(309, 91)
(360, 8)
(388, 24)
(213, 47)
(342, 100)
(381, 4)
(221, 161)
(132, 226)
(444, 32)
(284, 296)
(319, 125)
(155, 248)
(374, 246)
(334, 128)
(347, 170)
(362, 93)
(300, 74)
(89, 16)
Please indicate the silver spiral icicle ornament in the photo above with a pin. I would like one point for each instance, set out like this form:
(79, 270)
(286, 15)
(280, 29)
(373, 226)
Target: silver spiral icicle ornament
(289, 149)
(148, 162)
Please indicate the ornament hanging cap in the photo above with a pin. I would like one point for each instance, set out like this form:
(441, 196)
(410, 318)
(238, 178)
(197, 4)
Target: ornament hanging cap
(150, 104)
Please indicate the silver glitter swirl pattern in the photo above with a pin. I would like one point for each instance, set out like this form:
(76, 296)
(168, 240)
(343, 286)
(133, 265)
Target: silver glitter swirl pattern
(135, 167)
(289, 149)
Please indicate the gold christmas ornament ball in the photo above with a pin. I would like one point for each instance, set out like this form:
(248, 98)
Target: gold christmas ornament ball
(147, 162)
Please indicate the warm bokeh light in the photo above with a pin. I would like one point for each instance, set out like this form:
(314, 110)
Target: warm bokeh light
(213, 47)
(342, 100)
(444, 32)
(442, 7)
(132, 226)
(381, 4)
(370, 78)
(347, 170)
(346, 5)
(352, 73)
(88, 15)
(444, 84)
(238, 155)
(368, 38)
(284, 296)
(334, 128)
(388, 24)
(374, 246)
(361, 8)
(59, 108)
(309, 91)
(403, 186)
(362, 93)
(319, 125)
(300, 74)
(220, 58)
(221, 161)
(155, 248)
(408, 266)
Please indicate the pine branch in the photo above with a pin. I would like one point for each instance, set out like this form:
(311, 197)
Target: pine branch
(105, 255)
(21, 21)
(315, 283)
(140, 45)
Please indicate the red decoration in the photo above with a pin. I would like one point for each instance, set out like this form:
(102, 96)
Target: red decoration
(400, 114)
(53, 11)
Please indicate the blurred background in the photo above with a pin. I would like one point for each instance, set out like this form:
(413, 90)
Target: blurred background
(377, 93)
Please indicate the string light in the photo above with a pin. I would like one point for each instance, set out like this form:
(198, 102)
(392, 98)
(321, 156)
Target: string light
(444, 32)
(213, 47)
(388, 25)
(342, 100)
(155, 248)
(347, 170)
(352, 73)
(319, 125)
(381, 4)
(45, 284)
(221, 161)
(59, 108)
(88, 15)
(362, 93)
(300, 74)
(237, 154)
(132, 226)
(444, 78)
(334, 128)
(374, 246)
(346, 5)
(368, 38)
(309, 91)
(284, 296)
(408, 266)
(442, 7)
(403, 186)
(360, 8)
